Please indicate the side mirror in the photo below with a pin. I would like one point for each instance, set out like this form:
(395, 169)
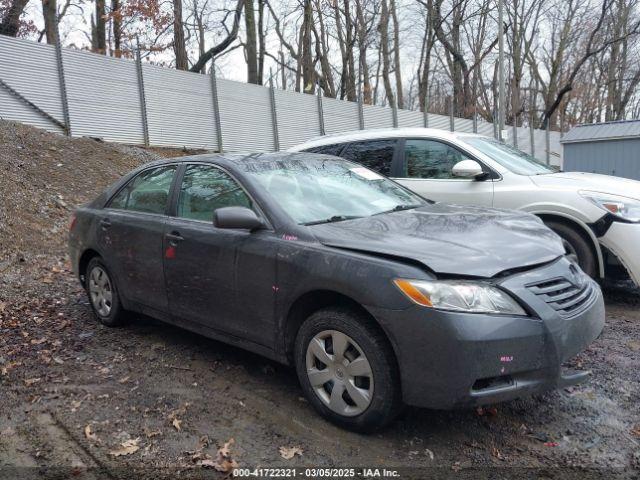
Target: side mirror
(236, 217)
(467, 169)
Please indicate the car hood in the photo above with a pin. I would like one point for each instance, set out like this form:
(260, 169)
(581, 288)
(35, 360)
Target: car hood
(590, 181)
(450, 239)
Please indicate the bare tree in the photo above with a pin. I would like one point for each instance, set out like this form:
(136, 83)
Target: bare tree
(251, 43)
(225, 43)
(179, 46)
(383, 28)
(116, 17)
(99, 28)
(10, 24)
(50, 15)
(561, 74)
(396, 53)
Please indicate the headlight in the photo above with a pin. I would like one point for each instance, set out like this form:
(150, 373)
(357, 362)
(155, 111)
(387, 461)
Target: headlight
(623, 207)
(459, 296)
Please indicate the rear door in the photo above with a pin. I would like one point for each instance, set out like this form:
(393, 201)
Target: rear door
(425, 168)
(130, 236)
(219, 278)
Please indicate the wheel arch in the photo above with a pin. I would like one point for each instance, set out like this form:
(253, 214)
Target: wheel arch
(581, 227)
(308, 303)
(84, 260)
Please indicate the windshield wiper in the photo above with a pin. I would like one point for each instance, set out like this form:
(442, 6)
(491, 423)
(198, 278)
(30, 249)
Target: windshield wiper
(335, 218)
(399, 208)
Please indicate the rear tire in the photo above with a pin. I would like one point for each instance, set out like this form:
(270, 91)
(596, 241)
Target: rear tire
(357, 386)
(578, 246)
(103, 294)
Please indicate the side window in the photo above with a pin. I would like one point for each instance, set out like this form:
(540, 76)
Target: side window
(376, 155)
(206, 188)
(148, 192)
(328, 149)
(430, 159)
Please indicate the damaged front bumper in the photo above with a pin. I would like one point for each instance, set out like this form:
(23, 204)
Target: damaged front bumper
(452, 360)
(622, 240)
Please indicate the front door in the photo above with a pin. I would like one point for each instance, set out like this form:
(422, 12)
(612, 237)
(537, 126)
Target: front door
(426, 169)
(131, 236)
(219, 278)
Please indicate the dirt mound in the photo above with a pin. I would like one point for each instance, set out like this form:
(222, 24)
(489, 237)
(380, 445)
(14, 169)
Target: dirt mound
(45, 176)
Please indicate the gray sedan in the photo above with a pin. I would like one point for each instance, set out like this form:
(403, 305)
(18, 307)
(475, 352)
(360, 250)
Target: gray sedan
(377, 296)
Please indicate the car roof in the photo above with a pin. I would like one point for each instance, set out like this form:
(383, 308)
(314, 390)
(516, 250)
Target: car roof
(379, 133)
(235, 159)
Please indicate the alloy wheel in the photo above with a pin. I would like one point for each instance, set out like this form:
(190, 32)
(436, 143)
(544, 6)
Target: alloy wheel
(100, 291)
(339, 373)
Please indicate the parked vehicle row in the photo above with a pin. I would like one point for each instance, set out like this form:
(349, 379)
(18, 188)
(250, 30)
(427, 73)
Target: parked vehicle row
(378, 296)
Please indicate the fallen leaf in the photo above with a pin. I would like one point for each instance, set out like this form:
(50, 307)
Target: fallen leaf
(289, 452)
(31, 381)
(225, 450)
(224, 462)
(496, 453)
(207, 463)
(3, 305)
(551, 444)
(633, 345)
(428, 453)
(39, 341)
(124, 380)
(126, 448)
(636, 431)
(151, 434)
(89, 434)
(176, 423)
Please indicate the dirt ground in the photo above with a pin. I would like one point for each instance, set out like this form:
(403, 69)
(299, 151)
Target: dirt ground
(79, 400)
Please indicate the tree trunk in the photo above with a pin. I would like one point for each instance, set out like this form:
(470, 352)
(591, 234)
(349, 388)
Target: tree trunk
(100, 43)
(251, 48)
(350, 80)
(10, 24)
(383, 28)
(116, 14)
(50, 15)
(308, 71)
(362, 47)
(179, 47)
(396, 53)
(262, 49)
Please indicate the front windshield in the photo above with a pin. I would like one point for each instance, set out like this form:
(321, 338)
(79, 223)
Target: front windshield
(509, 157)
(319, 190)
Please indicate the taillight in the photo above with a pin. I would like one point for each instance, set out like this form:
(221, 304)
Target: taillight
(72, 222)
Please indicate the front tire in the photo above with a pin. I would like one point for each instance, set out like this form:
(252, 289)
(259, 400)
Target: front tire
(578, 246)
(347, 370)
(103, 294)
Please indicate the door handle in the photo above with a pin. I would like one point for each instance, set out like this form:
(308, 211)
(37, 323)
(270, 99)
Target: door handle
(105, 223)
(174, 237)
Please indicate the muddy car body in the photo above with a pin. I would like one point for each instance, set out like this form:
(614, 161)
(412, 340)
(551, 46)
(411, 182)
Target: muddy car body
(390, 301)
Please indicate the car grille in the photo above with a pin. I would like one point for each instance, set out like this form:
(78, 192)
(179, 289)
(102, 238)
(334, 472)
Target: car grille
(564, 296)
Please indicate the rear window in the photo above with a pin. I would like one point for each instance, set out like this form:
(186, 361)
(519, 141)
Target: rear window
(376, 154)
(148, 192)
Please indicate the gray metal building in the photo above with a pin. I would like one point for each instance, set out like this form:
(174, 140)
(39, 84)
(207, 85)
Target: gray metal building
(611, 148)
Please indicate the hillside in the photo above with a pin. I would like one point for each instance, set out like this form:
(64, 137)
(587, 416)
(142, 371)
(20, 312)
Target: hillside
(45, 175)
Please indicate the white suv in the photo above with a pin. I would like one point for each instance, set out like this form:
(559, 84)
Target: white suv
(597, 215)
